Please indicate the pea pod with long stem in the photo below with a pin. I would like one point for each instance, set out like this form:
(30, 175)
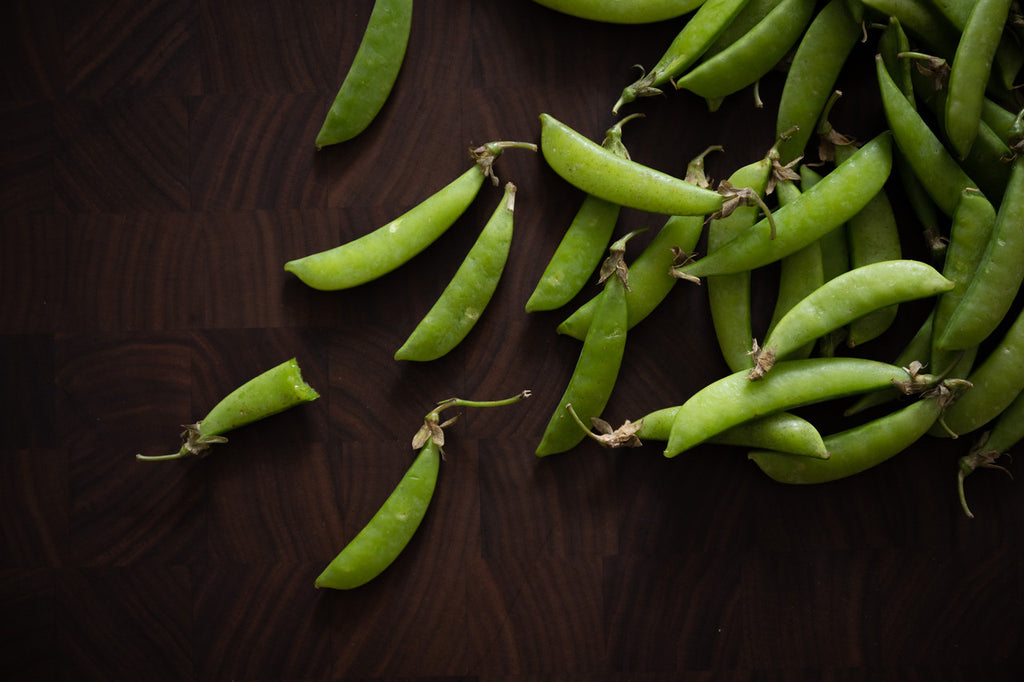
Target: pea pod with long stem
(271, 392)
(734, 399)
(581, 248)
(845, 298)
(466, 296)
(1006, 432)
(372, 74)
(389, 531)
(391, 245)
(597, 367)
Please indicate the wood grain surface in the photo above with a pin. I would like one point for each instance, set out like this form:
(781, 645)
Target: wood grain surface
(157, 169)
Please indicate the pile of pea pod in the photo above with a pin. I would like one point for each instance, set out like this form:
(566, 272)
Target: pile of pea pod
(818, 207)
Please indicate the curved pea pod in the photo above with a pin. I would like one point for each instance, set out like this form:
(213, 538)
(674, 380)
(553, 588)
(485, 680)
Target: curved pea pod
(859, 448)
(780, 431)
(939, 173)
(590, 167)
(372, 74)
(998, 276)
(466, 297)
(922, 21)
(700, 31)
(837, 197)
(1007, 431)
(597, 368)
(845, 298)
(274, 391)
(735, 399)
(820, 56)
(753, 55)
(618, 12)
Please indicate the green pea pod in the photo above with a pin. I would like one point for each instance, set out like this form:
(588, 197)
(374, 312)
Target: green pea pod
(580, 250)
(597, 367)
(998, 276)
(386, 248)
(856, 449)
(463, 301)
(831, 202)
(752, 56)
(274, 391)
(618, 12)
(845, 298)
(970, 70)
(372, 74)
(922, 21)
(729, 296)
(751, 15)
(934, 166)
(835, 250)
(734, 399)
(893, 43)
(699, 32)
(597, 171)
(819, 57)
(1007, 431)
(779, 431)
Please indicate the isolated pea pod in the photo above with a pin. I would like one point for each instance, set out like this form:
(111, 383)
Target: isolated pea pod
(379, 252)
(619, 12)
(274, 391)
(597, 171)
(372, 74)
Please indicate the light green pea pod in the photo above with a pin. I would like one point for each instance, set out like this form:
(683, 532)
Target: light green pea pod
(782, 431)
(372, 74)
(274, 391)
(466, 297)
(845, 298)
(859, 448)
(735, 399)
(618, 12)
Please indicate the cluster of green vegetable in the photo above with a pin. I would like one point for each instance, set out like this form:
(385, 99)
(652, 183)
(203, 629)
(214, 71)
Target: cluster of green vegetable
(946, 78)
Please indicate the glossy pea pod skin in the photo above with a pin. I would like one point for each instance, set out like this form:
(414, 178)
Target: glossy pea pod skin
(390, 529)
(590, 167)
(594, 376)
(618, 12)
(854, 450)
(735, 399)
(998, 276)
(845, 298)
(751, 56)
(781, 431)
(272, 392)
(466, 297)
(838, 196)
(699, 32)
(970, 71)
(372, 74)
(820, 56)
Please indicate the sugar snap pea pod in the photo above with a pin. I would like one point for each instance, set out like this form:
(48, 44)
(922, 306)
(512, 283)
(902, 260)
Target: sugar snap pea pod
(389, 531)
(734, 399)
(618, 12)
(820, 56)
(845, 298)
(650, 277)
(782, 431)
(998, 276)
(996, 382)
(893, 43)
(752, 56)
(274, 391)
(922, 21)
(753, 12)
(597, 367)
(819, 210)
(598, 172)
(862, 447)
(835, 250)
(580, 250)
(939, 173)
(1006, 432)
(372, 74)
(379, 252)
(463, 301)
(1000, 119)
(729, 296)
(970, 70)
(706, 24)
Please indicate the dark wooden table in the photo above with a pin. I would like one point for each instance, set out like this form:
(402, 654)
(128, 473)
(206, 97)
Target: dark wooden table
(158, 169)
